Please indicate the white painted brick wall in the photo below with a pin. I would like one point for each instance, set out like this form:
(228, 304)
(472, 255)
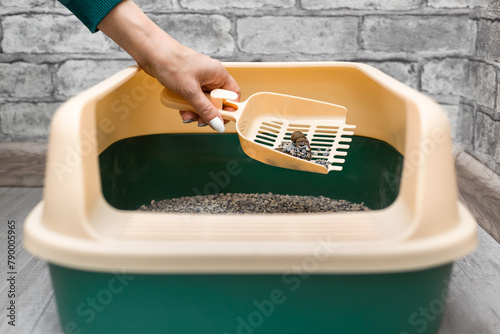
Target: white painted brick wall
(152, 6)
(485, 140)
(449, 49)
(208, 34)
(449, 3)
(51, 34)
(480, 84)
(362, 4)
(24, 80)
(488, 40)
(404, 72)
(225, 4)
(297, 35)
(443, 79)
(74, 76)
(26, 3)
(25, 121)
(419, 34)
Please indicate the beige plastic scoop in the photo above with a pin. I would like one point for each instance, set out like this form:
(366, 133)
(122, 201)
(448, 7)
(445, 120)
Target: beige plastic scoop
(264, 120)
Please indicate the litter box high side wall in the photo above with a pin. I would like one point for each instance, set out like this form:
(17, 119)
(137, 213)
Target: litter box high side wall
(47, 55)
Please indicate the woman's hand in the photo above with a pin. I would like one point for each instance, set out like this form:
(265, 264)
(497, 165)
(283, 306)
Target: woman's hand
(189, 73)
(175, 66)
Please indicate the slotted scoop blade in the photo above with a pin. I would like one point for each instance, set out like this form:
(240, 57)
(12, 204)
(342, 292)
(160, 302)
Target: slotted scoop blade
(264, 120)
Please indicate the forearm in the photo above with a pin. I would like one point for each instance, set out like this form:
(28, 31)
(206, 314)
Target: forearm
(177, 67)
(139, 36)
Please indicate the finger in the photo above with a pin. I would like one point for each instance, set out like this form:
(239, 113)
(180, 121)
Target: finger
(232, 85)
(207, 111)
(188, 116)
(201, 123)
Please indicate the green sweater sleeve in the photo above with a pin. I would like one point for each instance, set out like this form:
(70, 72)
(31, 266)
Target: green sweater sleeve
(90, 12)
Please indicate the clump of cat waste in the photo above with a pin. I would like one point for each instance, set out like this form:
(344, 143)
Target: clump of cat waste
(299, 147)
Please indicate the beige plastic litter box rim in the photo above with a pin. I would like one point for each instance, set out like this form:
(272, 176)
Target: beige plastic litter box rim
(74, 226)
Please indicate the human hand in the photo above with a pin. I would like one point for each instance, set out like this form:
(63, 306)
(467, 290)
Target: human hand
(175, 66)
(189, 73)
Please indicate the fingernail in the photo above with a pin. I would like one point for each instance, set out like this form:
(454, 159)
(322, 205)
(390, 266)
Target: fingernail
(202, 124)
(217, 124)
(187, 120)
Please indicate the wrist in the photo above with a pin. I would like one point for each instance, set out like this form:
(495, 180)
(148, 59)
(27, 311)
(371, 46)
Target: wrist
(160, 51)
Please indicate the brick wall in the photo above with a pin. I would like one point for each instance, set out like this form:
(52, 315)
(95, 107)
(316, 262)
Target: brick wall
(448, 49)
(478, 115)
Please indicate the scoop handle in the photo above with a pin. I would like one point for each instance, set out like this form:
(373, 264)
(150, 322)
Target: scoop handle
(219, 97)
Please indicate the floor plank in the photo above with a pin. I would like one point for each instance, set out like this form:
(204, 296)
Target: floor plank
(473, 304)
(474, 301)
(23, 164)
(49, 320)
(33, 282)
(15, 204)
(3, 190)
(479, 191)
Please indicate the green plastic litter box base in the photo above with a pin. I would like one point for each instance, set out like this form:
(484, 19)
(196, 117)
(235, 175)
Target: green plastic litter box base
(103, 303)
(136, 170)
(388, 270)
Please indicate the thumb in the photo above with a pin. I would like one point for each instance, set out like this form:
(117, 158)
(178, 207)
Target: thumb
(207, 111)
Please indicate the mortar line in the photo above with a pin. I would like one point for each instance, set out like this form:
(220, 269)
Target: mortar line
(298, 5)
(359, 37)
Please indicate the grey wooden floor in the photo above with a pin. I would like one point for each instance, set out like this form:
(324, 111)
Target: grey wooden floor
(475, 284)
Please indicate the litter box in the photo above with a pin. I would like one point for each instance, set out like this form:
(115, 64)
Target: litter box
(115, 147)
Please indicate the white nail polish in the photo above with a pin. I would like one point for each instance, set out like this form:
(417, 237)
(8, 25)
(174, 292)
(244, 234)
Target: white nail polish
(217, 125)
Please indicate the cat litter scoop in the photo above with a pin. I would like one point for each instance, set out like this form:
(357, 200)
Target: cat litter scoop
(265, 120)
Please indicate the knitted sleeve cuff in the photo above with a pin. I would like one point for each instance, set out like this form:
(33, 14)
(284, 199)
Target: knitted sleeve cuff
(90, 12)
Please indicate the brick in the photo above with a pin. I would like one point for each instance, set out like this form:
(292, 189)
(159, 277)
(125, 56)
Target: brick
(361, 4)
(481, 82)
(74, 76)
(486, 139)
(26, 121)
(452, 113)
(489, 9)
(488, 40)
(209, 34)
(404, 72)
(420, 34)
(461, 119)
(486, 4)
(497, 111)
(25, 3)
(223, 4)
(443, 77)
(1, 34)
(24, 80)
(45, 33)
(448, 3)
(148, 5)
(305, 35)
